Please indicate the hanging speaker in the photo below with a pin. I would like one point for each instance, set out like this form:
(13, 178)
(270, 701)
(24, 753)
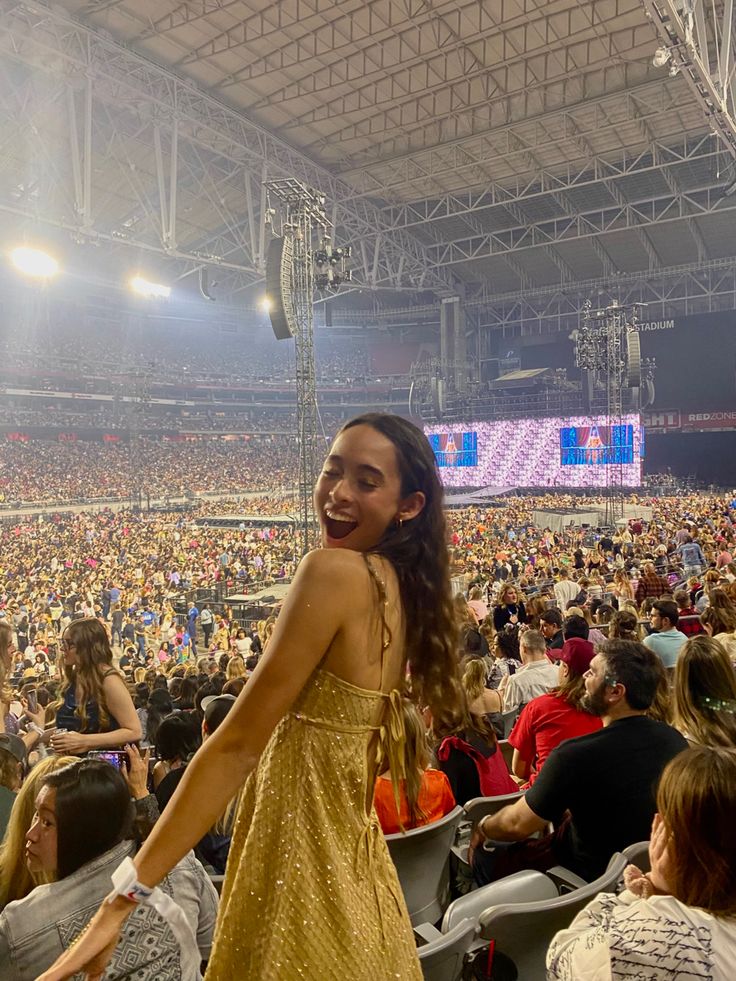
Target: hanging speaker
(633, 359)
(278, 287)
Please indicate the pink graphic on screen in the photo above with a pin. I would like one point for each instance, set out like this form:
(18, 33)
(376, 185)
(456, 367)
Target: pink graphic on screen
(526, 453)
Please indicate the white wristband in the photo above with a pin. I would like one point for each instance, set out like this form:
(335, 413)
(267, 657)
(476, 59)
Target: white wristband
(125, 883)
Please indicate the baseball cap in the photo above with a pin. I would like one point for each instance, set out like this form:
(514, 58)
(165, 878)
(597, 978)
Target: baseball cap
(215, 708)
(577, 654)
(13, 745)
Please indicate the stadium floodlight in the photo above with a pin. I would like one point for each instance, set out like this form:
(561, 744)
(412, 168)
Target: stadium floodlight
(144, 287)
(34, 262)
(265, 304)
(661, 56)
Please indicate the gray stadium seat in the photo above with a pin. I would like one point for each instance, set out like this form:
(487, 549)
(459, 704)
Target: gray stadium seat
(443, 956)
(522, 887)
(422, 860)
(523, 931)
(507, 720)
(480, 807)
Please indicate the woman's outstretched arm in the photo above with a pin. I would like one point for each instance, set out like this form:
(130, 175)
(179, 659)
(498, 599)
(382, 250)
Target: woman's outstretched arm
(313, 613)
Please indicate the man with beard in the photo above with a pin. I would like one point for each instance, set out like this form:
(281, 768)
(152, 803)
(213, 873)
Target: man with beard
(599, 789)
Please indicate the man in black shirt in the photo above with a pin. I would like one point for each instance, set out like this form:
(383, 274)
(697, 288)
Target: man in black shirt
(598, 790)
(550, 626)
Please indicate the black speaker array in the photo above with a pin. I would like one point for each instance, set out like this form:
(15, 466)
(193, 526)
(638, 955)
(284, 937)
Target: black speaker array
(278, 287)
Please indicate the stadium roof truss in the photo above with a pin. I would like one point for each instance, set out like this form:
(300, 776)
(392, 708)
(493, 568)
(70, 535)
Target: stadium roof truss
(507, 149)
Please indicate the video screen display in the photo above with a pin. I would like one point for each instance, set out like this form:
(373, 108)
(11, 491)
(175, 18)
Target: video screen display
(528, 452)
(455, 449)
(596, 445)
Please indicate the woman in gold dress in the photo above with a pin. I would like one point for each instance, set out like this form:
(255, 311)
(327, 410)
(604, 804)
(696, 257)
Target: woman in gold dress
(310, 891)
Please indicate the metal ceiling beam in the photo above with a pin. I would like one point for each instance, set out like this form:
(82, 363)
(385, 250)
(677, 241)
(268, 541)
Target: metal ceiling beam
(134, 88)
(691, 288)
(631, 216)
(598, 170)
(699, 36)
(550, 131)
(451, 101)
(439, 46)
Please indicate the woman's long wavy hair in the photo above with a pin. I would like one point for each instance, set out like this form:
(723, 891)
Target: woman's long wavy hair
(15, 879)
(418, 552)
(696, 799)
(417, 759)
(94, 656)
(474, 679)
(720, 614)
(705, 693)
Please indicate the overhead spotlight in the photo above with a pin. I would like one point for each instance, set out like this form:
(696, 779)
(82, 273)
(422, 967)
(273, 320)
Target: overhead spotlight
(143, 287)
(674, 70)
(34, 262)
(265, 304)
(661, 56)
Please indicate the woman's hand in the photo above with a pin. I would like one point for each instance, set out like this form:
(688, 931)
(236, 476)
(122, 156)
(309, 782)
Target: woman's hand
(37, 717)
(136, 772)
(659, 857)
(66, 743)
(90, 953)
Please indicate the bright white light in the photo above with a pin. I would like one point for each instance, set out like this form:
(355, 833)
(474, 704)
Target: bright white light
(34, 262)
(661, 56)
(144, 288)
(266, 304)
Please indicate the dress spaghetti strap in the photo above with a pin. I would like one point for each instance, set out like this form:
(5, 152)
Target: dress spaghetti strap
(386, 636)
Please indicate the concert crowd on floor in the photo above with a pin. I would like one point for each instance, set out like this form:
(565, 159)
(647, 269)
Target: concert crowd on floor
(621, 642)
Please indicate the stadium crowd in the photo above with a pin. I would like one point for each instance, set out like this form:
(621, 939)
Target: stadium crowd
(39, 472)
(621, 641)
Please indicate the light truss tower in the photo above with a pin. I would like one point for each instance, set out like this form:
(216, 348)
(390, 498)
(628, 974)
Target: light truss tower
(608, 343)
(303, 220)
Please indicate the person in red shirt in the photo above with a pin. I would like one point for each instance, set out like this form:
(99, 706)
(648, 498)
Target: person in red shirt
(425, 795)
(548, 720)
(688, 618)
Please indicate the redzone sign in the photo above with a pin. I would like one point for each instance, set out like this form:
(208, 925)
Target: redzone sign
(699, 422)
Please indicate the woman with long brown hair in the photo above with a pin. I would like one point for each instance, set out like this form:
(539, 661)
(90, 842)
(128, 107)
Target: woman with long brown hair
(321, 712)
(425, 794)
(719, 621)
(97, 711)
(679, 919)
(705, 693)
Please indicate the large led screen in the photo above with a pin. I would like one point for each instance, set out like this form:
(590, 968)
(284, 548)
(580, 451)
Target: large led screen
(455, 449)
(530, 453)
(601, 445)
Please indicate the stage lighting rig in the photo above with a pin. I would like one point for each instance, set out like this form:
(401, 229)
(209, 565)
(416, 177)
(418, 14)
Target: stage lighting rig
(301, 258)
(330, 271)
(607, 344)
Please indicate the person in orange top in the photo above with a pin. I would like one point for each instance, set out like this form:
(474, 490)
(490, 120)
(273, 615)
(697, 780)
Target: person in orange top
(425, 794)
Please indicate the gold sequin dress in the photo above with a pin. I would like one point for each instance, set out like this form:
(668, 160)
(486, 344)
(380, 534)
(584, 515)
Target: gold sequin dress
(310, 891)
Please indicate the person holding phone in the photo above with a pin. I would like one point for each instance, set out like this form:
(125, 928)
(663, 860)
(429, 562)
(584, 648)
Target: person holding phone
(97, 711)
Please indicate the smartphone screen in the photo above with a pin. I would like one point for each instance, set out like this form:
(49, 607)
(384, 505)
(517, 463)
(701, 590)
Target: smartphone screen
(115, 757)
(32, 699)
